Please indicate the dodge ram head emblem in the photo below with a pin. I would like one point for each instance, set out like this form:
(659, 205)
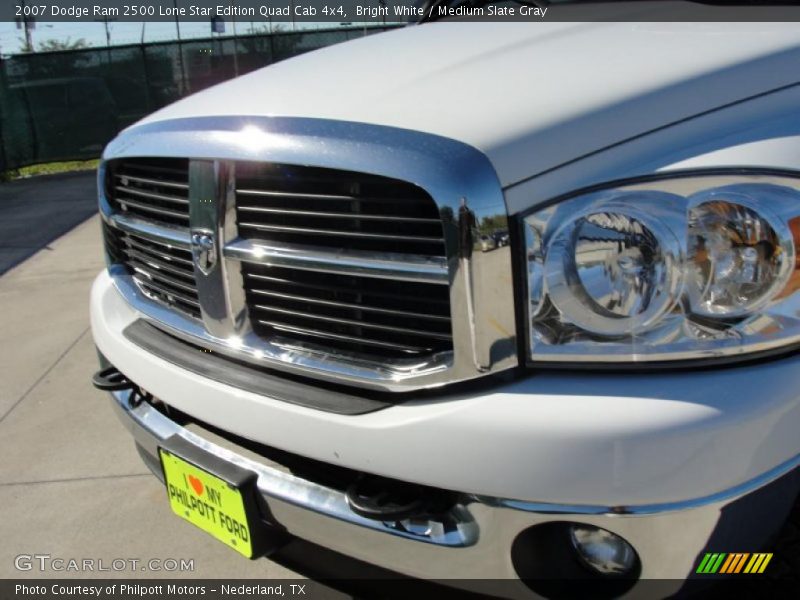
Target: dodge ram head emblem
(204, 251)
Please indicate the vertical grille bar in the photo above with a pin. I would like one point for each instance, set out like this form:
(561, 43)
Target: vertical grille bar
(206, 212)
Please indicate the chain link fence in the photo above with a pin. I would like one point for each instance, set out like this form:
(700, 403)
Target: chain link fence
(67, 105)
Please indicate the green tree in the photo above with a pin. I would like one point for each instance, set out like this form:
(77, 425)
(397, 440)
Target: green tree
(25, 47)
(52, 45)
(492, 223)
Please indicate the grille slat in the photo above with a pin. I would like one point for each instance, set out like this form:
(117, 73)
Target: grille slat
(150, 188)
(321, 288)
(328, 197)
(174, 284)
(169, 293)
(156, 191)
(359, 341)
(166, 279)
(152, 195)
(164, 254)
(335, 232)
(357, 323)
(179, 170)
(164, 212)
(348, 305)
(170, 184)
(159, 265)
(334, 213)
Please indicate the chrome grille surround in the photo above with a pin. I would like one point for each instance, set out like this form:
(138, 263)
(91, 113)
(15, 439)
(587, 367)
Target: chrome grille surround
(457, 177)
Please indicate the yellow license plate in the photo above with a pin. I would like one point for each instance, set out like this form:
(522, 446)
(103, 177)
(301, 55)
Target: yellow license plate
(207, 502)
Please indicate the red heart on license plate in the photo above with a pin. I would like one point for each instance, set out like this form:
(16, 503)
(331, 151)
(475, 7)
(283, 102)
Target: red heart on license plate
(196, 484)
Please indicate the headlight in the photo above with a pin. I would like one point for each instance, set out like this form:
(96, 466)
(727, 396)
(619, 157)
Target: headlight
(671, 269)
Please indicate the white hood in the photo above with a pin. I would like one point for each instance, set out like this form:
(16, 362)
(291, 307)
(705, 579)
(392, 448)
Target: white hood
(531, 96)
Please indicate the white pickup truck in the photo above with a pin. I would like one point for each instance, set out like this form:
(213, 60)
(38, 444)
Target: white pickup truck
(470, 300)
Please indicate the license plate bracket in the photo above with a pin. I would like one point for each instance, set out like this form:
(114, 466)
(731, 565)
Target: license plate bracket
(217, 496)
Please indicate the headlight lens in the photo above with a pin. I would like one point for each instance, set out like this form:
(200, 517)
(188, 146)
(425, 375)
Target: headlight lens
(671, 269)
(612, 270)
(739, 257)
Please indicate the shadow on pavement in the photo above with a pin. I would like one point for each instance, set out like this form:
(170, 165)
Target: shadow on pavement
(35, 211)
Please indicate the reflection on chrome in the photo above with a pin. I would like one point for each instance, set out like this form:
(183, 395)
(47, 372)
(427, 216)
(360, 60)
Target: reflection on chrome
(615, 270)
(478, 283)
(618, 261)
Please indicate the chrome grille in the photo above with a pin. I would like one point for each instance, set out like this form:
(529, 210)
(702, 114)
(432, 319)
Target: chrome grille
(155, 190)
(150, 188)
(336, 209)
(311, 209)
(162, 270)
(334, 257)
(376, 316)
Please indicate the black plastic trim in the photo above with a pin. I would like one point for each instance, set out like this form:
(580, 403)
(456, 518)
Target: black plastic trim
(230, 372)
(296, 389)
(519, 260)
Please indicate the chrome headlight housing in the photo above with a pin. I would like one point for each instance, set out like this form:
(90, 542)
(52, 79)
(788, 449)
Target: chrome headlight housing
(676, 268)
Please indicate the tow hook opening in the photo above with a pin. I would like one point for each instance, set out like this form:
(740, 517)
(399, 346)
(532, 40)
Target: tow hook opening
(382, 499)
(111, 379)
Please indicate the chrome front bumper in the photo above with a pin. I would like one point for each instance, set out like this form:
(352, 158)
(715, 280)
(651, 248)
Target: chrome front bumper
(473, 540)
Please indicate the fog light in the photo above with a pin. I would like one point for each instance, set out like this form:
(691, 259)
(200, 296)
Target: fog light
(603, 551)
